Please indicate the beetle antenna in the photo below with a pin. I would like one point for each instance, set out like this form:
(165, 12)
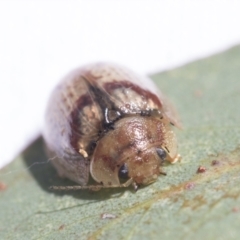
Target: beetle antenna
(94, 187)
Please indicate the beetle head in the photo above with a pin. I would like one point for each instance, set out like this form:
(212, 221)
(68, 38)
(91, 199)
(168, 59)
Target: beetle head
(135, 149)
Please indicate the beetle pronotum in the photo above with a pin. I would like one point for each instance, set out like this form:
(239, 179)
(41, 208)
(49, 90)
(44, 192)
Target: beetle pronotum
(106, 121)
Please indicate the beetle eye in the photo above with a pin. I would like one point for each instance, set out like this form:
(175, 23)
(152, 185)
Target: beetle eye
(123, 171)
(161, 153)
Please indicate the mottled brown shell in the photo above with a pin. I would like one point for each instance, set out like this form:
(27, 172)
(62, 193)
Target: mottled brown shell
(103, 116)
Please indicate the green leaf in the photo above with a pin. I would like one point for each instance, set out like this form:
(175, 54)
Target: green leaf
(182, 205)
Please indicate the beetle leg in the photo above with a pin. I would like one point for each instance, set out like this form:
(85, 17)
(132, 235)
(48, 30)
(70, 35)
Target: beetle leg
(163, 173)
(135, 186)
(176, 159)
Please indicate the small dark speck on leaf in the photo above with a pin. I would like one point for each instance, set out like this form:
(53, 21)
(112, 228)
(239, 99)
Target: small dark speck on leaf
(198, 93)
(3, 186)
(190, 186)
(236, 209)
(201, 169)
(147, 222)
(61, 227)
(215, 163)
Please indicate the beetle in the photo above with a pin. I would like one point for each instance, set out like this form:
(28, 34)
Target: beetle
(105, 121)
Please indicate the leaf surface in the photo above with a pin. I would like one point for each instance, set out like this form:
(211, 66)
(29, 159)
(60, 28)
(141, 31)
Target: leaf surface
(182, 205)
